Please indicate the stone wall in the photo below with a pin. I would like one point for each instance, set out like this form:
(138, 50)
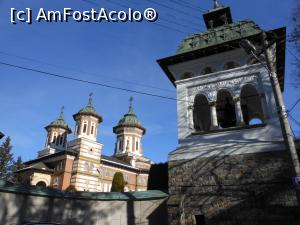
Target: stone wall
(20, 204)
(248, 189)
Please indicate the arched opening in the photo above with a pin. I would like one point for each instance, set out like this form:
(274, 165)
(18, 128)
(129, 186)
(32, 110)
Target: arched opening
(207, 70)
(225, 109)
(255, 121)
(41, 184)
(251, 105)
(231, 65)
(186, 75)
(201, 113)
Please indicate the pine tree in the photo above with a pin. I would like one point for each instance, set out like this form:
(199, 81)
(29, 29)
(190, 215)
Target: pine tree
(118, 183)
(17, 165)
(6, 160)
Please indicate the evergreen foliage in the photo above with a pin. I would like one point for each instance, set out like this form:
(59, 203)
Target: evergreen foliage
(8, 166)
(6, 160)
(18, 165)
(118, 183)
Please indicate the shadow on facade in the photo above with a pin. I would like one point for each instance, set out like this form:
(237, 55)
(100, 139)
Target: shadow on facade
(236, 189)
(29, 206)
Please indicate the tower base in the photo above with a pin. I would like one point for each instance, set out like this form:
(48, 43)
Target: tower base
(246, 189)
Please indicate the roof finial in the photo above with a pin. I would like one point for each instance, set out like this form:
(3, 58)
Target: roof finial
(61, 116)
(90, 99)
(216, 4)
(130, 105)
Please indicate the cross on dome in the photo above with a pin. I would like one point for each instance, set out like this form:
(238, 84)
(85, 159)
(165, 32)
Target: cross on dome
(90, 99)
(130, 105)
(61, 116)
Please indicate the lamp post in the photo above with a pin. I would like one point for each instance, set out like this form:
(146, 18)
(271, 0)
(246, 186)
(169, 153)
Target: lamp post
(281, 110)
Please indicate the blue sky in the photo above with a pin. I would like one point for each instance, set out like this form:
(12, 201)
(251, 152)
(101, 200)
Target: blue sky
(111, 53)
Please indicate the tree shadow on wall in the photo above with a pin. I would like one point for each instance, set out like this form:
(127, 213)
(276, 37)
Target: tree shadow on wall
(242, 189)
(18, 209)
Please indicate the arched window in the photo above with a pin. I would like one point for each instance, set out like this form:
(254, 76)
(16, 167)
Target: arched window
(186, 75)
(92, 129)
(231, 65)
(54, 139)
(84, 127)
(251, 104)
(136, 145)
(65, 140)
(201, 113)
(58, 139)
(225, 109)
(61, 139)
(120, 145)
(255, 121)
(41, 184)
(207, 70)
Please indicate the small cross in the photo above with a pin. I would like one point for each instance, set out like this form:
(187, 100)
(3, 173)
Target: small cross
(131, 99)
(91, 94)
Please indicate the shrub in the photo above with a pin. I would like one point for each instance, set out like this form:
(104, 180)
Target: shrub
(71, 188)
(118, 183)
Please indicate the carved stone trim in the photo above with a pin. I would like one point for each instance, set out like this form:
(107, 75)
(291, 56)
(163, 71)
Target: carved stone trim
(210, 90)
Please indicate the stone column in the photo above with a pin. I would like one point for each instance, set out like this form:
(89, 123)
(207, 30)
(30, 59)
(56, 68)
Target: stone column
(238, 111)
(263, 103)
(213, 116)
(190, 117)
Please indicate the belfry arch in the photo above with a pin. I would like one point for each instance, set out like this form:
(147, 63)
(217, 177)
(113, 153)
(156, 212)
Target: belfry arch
(201, 113)
(226, 109)
(251, 104)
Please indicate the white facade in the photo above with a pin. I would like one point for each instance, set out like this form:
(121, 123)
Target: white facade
(241, 139)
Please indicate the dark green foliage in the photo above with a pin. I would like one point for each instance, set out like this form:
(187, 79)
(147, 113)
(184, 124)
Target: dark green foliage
(158, 177)
(18, 165)
(118, 183)
(6, 160)
(71, 188)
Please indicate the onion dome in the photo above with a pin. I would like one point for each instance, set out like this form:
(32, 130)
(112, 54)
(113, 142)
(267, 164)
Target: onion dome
(59, 123)
(88, 110)
(130, 120)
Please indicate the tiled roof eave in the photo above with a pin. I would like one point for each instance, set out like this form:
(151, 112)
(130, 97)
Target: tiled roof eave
(129, 125)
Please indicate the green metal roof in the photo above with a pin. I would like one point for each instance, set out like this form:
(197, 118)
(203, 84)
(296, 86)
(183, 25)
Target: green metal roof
(97, 196)
(130, 119)
(89, 109)
(219, 35)
(59, 122)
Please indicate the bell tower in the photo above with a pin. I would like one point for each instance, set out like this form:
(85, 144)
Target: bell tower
(57, 134)
(87, 121)
(128, 147)
(229, 133)
(129, 133)
(87, 162)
